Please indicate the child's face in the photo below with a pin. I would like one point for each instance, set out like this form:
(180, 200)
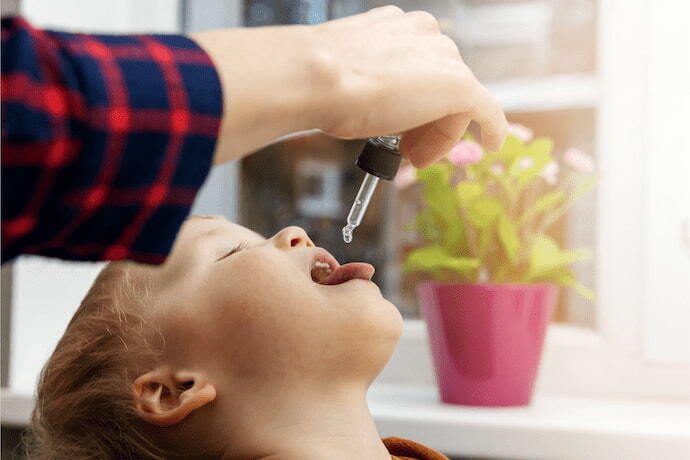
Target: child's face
(258, 316)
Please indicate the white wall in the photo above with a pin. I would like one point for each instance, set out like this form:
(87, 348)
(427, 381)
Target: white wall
(104, 16)
(45, 294)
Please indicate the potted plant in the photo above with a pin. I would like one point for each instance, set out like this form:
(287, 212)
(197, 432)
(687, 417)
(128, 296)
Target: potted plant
(493, 269)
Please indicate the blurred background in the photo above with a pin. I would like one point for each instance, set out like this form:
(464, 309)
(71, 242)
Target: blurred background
(609, 77)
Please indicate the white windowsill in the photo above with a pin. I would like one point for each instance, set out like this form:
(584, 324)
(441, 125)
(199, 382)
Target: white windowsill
(551, 427)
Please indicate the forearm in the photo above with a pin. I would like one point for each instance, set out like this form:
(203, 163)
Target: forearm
(274, 83)
(366, 75)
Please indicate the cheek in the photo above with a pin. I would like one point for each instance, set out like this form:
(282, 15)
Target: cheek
(260, 307)
(264, 283)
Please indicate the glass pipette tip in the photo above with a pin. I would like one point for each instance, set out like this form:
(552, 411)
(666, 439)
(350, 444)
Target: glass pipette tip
(360, 205)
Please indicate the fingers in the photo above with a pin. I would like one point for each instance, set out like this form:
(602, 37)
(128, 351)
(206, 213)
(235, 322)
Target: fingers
(485, 109)
(423, 20)
(428, 143)
(489, 114)
(413, 21)
(472, 98)
(447, 47)
(374, 15)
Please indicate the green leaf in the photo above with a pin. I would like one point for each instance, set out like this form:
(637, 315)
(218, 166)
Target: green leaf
(426, 225)
(542, 146)
(486, 239)
(439, 173)
(582, 188)
(549, 200)
(544, 203)
(538, 153)
(468, 191)
(585, 186)
(546, 256)
(566, 278)
(484, 212)
(442, 202)
(503, 274)
(507, 233)
(432, 258)
(512, 147)
(581, 289)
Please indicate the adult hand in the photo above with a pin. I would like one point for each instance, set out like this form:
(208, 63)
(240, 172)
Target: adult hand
(397, 73)
(372, 74)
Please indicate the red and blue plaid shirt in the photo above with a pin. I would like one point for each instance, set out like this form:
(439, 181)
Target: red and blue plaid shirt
(105, 141)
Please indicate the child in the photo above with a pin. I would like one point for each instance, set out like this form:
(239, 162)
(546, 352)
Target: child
(237, 347)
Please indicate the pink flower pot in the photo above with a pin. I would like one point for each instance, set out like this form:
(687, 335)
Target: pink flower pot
(486, 340)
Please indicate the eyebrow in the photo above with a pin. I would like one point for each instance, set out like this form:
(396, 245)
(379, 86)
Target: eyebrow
(261, 237)
(217, 217)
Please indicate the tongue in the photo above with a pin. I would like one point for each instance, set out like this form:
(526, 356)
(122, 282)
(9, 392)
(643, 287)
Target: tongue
(349, 272)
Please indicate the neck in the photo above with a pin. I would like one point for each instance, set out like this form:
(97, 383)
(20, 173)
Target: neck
(310, 425)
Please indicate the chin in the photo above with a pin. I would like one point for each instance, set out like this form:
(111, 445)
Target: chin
(388, 327)
(395, 325)
(368, 326)
(379, 313)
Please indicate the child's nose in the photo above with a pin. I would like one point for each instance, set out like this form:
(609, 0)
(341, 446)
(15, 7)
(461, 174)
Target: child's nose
(292, 237)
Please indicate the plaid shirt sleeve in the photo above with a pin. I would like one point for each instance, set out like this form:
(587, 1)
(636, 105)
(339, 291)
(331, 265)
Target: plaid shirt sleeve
(105, 141)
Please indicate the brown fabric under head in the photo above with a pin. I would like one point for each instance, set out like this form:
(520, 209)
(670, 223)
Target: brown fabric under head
(404, 449)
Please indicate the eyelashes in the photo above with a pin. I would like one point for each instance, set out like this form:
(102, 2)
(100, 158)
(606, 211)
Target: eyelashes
(234, 250)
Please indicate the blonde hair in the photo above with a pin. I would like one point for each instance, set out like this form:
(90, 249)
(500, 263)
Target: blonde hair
(84, 404)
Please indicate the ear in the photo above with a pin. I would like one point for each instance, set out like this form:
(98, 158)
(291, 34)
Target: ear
(164, 398)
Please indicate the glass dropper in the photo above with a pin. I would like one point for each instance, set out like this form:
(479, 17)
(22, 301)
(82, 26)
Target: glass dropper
(360, 205)
(380, 159)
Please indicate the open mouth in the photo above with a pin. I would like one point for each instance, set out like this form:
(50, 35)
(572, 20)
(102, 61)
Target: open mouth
(327, 271)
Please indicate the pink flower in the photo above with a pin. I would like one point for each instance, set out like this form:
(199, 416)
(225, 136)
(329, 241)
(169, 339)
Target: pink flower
(522, 132)
(407, 175)
(525, 163)
(496, 169)
(579, 160)
(550, 172)
(466, 153)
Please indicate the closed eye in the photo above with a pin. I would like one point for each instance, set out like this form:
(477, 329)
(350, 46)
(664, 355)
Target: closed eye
(234, 250)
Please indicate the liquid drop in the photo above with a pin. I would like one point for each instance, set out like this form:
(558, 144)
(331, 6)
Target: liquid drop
(347, 234)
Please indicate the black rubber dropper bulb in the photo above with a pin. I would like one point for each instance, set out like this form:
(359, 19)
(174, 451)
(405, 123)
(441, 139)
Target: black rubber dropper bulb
(380, 159)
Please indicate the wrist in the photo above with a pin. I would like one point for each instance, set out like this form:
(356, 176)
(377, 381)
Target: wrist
(274, 82)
